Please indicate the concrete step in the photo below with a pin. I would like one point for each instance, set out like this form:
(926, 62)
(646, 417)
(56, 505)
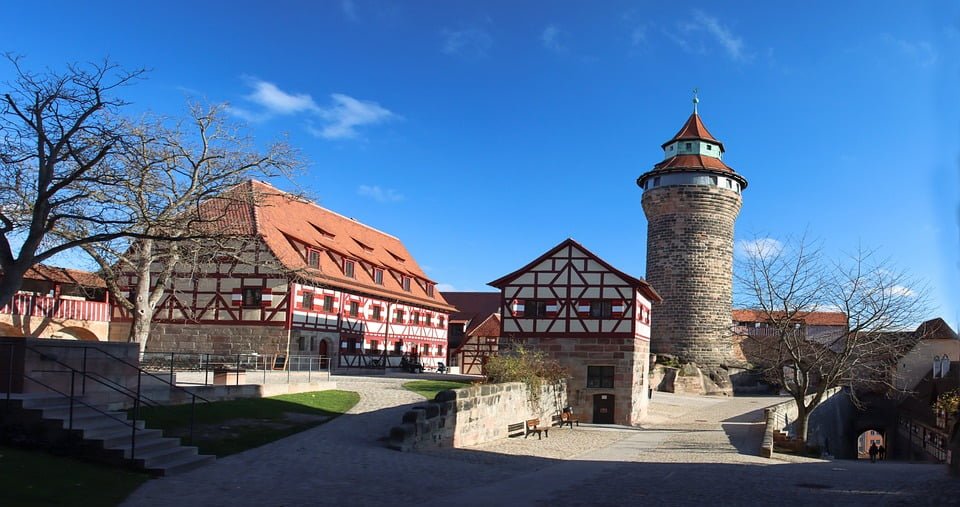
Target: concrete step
(182, 465)
(155, 458)
(40, 400)
(145, 445)
(108, 427)
(121, 437)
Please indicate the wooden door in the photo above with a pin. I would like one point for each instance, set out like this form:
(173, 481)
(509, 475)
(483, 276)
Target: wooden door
(603, 406)
(324, 354)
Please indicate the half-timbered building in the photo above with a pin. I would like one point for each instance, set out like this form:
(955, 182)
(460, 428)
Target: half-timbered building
(474, 330)
(59, 303)
(311, 282)
(593, 319)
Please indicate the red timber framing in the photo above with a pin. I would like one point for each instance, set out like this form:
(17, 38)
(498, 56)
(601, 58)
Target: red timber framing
(569, 292)
(328, 283)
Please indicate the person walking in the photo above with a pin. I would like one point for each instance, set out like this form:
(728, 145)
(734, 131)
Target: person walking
(873, 452)
(881, 452)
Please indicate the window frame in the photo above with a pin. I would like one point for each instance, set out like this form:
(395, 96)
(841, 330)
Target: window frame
(534, 308)
(378, 276)
(405, 282)
(376, 312)
(328, 308)
(398, 315)
(306, 300)
(251, 297)
(600, 376)
(601, 309)
(313, 253)
(352, 271)
(353, 310)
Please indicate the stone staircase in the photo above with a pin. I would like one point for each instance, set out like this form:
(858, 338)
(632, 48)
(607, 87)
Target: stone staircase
(783, 440)
(107, 433)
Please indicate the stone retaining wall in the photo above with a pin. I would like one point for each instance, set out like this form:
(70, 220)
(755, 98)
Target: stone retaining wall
(173, 396)
(783, 415)
(474, 415)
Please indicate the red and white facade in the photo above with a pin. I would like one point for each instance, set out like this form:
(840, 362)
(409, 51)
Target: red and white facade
(593, 319)
(58, 303)
(314, 283)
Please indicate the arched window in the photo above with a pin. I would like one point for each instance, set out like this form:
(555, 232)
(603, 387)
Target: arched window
(936, 366)
(944, 365)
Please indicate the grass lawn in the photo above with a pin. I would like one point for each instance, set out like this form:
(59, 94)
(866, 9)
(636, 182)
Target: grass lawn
(429, 388)
(37, 478)
(228, 427)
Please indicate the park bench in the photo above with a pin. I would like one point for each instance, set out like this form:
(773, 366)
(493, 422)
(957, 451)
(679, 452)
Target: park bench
(515, 430)
(567, 418)
(533, 426)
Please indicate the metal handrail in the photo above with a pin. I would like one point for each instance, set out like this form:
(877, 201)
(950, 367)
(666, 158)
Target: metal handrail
(73, 397)
(136, 396)
(140, 370)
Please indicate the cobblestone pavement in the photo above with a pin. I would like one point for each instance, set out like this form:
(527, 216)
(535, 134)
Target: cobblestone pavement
(692, 450)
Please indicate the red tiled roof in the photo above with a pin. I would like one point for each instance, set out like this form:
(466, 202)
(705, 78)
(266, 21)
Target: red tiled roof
(283, 220)
(489, 328)
(809, 318)
(935, 329)
(472, 307)
(680, 163)
(63, 275)
(694, 129)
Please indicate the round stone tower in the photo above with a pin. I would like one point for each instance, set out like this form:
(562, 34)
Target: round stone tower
(691, 200)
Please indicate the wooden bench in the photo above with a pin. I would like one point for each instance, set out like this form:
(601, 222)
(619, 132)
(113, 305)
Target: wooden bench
(515, 430)
(533, 426)
(568, 419)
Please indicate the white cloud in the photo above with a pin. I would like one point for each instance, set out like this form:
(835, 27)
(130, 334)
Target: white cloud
(900, 290)
(468, 42)
(379, 194)
(551, 38)
(340, 119)
(757, 247)
(703, 26)
(277, 101)
(446, 287)
(922, 52)
(347, 113)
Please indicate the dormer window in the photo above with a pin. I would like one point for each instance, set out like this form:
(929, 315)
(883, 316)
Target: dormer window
(378, 276)
(430, 289)
(348, 267)
(405, 282)
(313, 258)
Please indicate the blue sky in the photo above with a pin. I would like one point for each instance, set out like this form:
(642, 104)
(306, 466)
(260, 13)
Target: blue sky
(484, 133)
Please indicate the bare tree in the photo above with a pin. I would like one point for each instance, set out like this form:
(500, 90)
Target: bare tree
(58, 135)
(175, 191)
(788, 282)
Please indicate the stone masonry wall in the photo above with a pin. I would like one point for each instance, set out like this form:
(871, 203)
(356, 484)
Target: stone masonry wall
(218, 339)
(628, 356)
(474, 415)
(690, 264)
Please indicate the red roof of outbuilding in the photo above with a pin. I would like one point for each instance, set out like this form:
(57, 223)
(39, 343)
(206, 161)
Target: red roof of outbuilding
(694, 129)
(64, 275)
(282, 219)
(808, 318)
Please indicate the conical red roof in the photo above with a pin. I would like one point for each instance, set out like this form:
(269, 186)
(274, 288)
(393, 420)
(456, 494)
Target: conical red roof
(694, 129)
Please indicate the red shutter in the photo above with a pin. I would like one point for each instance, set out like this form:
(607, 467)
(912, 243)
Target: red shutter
(266, 297)
(553, 308)
(237, 297)
(617, 308)
(583, 308)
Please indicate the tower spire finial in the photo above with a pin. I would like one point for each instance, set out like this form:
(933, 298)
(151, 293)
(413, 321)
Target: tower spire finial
(695, 99)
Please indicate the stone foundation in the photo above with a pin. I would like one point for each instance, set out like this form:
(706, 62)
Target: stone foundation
(474, 415)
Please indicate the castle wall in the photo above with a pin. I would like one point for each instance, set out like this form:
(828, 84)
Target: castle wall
(690, 264)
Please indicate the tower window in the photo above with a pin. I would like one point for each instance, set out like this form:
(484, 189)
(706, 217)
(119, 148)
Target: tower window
(656, 181)
(709, 147)
(688, 146)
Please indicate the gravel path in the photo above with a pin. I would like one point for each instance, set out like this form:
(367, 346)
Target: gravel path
(692, 451)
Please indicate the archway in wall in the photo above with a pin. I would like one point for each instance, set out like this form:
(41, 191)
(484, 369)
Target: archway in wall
(6, 330)
(870, 437)
(76, 333)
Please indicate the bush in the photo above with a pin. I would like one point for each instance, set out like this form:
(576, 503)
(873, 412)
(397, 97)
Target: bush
(532, 367)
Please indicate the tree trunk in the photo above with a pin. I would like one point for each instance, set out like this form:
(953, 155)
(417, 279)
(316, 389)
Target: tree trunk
(11, 281)
(803, 420)
(142, 308)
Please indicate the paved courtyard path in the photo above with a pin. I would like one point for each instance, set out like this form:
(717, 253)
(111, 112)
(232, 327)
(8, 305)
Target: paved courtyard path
(692, 451)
